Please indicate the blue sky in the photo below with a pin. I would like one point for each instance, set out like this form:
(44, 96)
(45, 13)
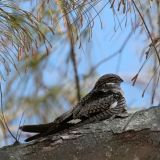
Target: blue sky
(105, 41)
(104, 44)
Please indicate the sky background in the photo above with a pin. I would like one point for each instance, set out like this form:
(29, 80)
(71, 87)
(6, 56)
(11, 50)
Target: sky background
(105, 41)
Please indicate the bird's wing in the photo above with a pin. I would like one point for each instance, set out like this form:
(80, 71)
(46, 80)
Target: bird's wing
(95, 103)
(65, 117)
(90, 97)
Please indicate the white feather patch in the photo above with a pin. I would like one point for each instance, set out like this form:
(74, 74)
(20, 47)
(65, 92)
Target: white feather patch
(74, 121)
(113, 105)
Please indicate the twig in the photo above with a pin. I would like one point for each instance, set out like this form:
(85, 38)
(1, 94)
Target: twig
(147, 30)
(119, 51)
(18, 135)
(72, 53)
(5, 123)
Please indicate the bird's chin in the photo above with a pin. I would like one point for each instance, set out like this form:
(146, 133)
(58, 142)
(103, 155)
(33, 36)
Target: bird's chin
(117, 90)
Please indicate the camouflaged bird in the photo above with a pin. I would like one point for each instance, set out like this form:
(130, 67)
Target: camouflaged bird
(104, 101)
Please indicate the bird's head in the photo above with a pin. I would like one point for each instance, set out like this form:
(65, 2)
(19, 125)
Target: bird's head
(108, 80)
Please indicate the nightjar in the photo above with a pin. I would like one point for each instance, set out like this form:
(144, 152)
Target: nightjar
(104, 101)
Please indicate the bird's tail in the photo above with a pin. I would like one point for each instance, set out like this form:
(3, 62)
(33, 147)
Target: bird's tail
(44, 130)
(39, 135)
(40, 128)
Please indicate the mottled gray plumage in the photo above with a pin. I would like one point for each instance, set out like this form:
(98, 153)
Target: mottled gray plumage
(104, 101)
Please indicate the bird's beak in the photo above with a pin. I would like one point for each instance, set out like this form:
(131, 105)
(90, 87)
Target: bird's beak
(122, 80)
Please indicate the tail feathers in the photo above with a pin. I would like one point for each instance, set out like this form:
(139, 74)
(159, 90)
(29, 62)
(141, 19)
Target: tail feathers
(43, 130)
(52, 130)
(34, 137)
(64, 118)
(36, 128)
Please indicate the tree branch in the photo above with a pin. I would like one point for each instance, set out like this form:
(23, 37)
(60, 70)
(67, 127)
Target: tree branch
(103, 140)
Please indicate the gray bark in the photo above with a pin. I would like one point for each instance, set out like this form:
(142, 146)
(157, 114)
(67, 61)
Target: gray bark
(136, 137)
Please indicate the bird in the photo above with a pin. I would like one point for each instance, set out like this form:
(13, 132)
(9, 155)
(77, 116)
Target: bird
(104, 101)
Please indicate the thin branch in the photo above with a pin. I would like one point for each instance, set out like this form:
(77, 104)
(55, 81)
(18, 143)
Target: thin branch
(72, 53)
(147, 29)
(119, 51)
(4, 116)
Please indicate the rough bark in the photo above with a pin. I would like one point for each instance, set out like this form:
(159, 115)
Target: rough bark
(136, 137)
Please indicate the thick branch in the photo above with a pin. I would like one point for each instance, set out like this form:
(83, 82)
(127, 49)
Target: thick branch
(105, 140)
